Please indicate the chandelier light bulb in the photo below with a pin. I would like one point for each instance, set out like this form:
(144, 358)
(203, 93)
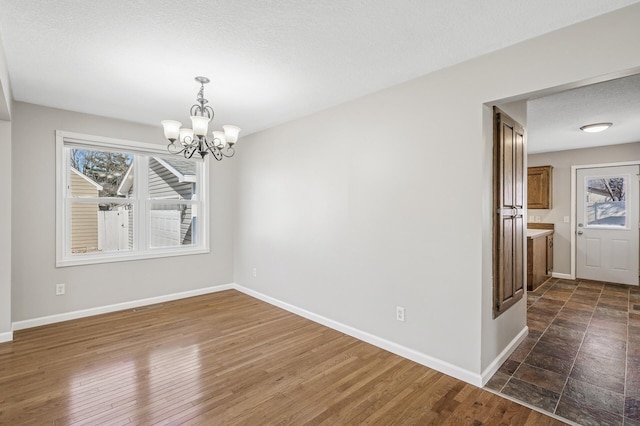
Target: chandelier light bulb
(218, 139)
(171, 129)
(186, 136)
(231, 133)
(200, 125)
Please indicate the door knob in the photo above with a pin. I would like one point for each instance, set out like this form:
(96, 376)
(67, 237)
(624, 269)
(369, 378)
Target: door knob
(579, 232)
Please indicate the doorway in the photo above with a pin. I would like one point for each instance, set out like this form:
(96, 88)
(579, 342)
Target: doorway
(606, 218)
(575, 355)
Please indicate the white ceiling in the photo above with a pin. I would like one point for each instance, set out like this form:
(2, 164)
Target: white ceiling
(269, 61)
(553, 122)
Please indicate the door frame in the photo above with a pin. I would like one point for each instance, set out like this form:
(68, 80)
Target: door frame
(574, 179)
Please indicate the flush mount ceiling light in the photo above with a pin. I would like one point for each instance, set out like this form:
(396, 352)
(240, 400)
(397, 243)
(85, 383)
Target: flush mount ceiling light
(596, 127)
(195, 140)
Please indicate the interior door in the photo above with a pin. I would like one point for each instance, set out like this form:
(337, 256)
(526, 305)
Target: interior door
(607, 224)
(509, 229)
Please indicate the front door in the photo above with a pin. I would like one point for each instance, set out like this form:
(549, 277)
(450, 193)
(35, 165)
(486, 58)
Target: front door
(607, 224)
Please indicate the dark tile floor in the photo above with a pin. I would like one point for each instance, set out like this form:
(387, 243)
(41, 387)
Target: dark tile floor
(581, 359)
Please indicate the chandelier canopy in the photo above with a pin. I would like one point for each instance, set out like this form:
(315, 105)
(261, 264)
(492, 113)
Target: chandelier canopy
(193, 140)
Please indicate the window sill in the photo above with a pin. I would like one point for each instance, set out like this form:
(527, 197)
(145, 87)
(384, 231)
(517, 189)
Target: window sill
(90, 259)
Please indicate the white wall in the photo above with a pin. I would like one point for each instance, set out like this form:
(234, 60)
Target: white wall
(33, 262)
(562, 162)
(6, 97)
(5, 206)
(5, 232)
(516, 110)
(386, 200)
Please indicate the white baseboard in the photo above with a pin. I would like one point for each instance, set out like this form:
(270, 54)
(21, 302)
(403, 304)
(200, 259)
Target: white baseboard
(419, 357)
(503, 356)
(35, 322)
(413, 355)
(562, 276)
(6, 337)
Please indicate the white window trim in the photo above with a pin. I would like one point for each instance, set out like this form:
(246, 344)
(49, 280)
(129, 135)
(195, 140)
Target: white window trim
(139, 252)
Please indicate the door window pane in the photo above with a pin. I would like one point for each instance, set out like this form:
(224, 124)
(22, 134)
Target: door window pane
(606, 201)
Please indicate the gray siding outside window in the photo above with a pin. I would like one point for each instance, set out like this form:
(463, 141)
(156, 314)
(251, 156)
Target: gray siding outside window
(163, 184)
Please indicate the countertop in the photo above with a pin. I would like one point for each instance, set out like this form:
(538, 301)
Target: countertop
(537, 233)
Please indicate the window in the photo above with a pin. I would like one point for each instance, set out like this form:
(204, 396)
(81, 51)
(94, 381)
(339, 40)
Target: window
(122, 200)
(606, 202)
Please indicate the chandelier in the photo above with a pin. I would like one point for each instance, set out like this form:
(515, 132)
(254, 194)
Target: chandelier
(190, 141)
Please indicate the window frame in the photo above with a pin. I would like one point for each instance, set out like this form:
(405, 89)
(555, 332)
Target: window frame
(141, 202)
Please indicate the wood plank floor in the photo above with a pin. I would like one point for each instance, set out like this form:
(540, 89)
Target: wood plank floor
(226, 359)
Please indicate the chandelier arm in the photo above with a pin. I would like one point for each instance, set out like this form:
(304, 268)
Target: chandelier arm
(190, 150)
(209, 112)
(216, 154)
(190, 142)
(173, 149)
(202, 111)
(230, 150)
(210, 145)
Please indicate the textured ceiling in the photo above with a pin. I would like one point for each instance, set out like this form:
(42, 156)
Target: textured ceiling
(269, 61)
(553, 122)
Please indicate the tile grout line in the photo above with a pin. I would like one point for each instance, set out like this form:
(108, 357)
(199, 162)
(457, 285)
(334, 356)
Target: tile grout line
(600, 298)
(541, 334)
(579, 347)
(516, 370)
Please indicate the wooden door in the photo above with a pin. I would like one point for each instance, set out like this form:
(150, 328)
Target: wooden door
(509, 229)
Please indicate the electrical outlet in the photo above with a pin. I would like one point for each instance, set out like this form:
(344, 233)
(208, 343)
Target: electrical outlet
(400, 313)
(254, 272)
(538, 218)
(60, 289)
(566, 219)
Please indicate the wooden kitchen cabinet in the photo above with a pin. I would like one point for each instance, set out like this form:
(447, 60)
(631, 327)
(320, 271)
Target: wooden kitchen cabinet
(549, 254)
(539, 187)
(539, 256)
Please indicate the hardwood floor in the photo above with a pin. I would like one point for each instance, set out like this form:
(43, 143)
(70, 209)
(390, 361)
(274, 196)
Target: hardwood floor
(225, 359)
